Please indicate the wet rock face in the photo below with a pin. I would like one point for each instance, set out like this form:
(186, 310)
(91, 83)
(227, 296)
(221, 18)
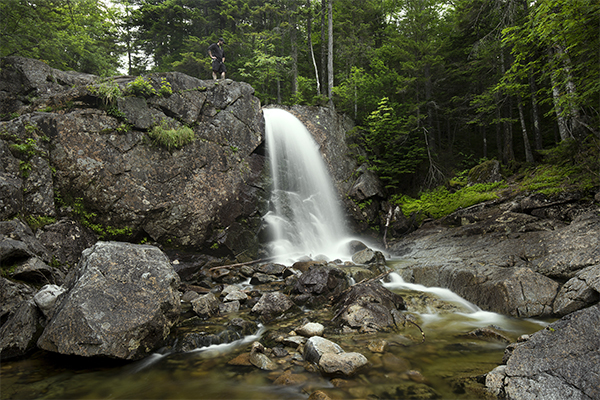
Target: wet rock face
(508, 258)
(121, 303)
(369, 307)
(559, 362)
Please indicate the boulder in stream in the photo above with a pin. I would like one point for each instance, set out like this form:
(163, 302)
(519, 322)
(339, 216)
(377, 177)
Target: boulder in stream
(318, 284)
(369, 307)
(121, 303)
(559, 362)
(331, 358)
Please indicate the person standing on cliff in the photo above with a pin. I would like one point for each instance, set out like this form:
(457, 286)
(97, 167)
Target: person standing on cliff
(216, 52)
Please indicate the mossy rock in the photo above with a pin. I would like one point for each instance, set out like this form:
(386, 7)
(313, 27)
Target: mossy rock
(486, 172)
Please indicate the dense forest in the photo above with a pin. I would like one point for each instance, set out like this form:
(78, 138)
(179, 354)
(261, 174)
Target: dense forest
(435, 86)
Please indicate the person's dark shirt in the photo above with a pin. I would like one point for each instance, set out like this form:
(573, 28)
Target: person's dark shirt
(216, 51)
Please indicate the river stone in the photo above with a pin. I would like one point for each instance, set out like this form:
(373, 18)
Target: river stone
(230, 288)
(262, 361)
(236, 296)
(46, 299)
(494, 381)
(346, 364)
(578, 292)
(559, 362)
(316, 346)
(311, 329)
(121, 303)
(205, 306)
(229, 307)
(271, 305)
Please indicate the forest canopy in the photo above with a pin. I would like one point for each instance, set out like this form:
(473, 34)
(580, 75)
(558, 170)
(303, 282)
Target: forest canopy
(434, 86)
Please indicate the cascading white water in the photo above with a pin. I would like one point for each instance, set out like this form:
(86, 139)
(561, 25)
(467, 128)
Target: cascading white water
(305, 218)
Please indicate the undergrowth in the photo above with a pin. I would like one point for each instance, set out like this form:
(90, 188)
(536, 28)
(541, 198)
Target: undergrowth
(440, 201)
(571, 166)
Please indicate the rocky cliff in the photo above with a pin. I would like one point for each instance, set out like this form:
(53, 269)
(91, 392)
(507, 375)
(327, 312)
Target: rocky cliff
(80, 148)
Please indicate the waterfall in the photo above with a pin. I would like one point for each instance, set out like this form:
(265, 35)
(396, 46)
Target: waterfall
(305, 218)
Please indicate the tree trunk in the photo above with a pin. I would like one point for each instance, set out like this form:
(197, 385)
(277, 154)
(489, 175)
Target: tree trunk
(537, 133)
(430, 110)
(528, 154)
(508, 154)
(323, 44)
(484, 136)
(330, 52)
(567, 113)
(310, 45)
(294, 48)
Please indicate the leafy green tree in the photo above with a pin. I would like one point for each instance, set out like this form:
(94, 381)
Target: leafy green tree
(559, 41)
(68, 34)
(395, 150)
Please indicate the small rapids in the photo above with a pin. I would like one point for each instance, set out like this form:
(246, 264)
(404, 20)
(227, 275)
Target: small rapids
(446, 365)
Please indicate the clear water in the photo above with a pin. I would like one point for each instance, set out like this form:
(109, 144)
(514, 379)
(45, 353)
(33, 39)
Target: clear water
(445, 365)
(305, 218)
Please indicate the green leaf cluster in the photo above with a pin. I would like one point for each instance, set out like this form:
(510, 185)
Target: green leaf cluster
(169, 138)
(141, 87)
(109, 91)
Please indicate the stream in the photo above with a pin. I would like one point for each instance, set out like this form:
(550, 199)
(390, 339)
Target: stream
(448, 364)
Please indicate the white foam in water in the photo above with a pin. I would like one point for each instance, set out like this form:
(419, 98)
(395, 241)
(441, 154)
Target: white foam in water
(471, 316)
(396, 282)
(216, 350)
(305, 219)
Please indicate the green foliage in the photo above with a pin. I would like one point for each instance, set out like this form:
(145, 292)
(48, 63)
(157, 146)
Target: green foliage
(37, 222)
(440, 202)
(25, 168)
(87, 219)
(165, 88)
(141, 87)
(68, 35)
(394, 151)
(28, 148)
(555, 179)
(169, 138)
(108, 91)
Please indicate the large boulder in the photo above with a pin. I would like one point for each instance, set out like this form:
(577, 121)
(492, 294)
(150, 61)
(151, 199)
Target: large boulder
(320, 283)
(121, 302)
(559, 362)
(96, 157)
(369, 307)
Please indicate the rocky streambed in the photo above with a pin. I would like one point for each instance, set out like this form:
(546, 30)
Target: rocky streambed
(316, 328)
(124, 325)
